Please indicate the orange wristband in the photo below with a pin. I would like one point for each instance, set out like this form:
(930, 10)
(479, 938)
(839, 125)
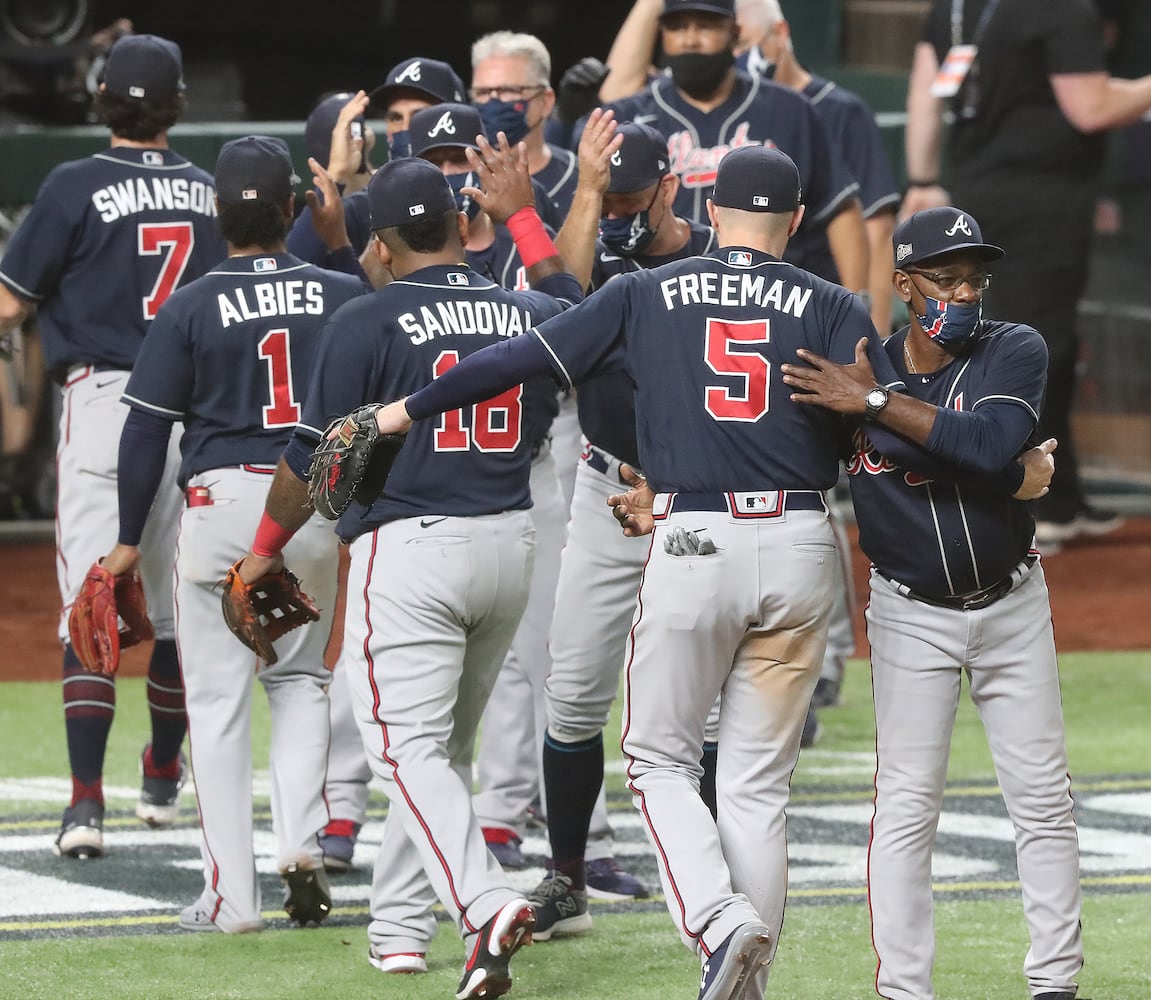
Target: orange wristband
(531, 239)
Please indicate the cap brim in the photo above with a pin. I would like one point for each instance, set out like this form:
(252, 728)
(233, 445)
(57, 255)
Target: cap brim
(988, 251)
(702, 7)
(383, 95)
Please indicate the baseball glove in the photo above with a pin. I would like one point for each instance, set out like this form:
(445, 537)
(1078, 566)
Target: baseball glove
(260, 612)
(352, 465)
(94, 622)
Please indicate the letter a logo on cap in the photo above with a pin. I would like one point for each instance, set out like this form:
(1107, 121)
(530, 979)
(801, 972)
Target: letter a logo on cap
(616, 159)
(960, 226)
(411, 73)
(445, 125)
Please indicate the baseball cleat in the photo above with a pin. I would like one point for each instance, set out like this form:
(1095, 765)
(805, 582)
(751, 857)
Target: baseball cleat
(159, 803)
(731, 968)
(199, 917)
(506, 846)
(826, 693)
(487, 972)
(338, 842)
(308, 897)
(606, 880)
(401, 962)
(81, 831)
(812, 730)
(560, 908)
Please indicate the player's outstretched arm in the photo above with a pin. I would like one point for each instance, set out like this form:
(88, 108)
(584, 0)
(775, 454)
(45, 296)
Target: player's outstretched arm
(847, 237)
(630, 57)
(347, 150)
(576, 241)
(923, 140)
(327, 208)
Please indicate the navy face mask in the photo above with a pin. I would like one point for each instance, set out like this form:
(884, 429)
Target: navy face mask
(465, 203)
(629, 235)
(509, 117)
(950, 324)
(399, 145)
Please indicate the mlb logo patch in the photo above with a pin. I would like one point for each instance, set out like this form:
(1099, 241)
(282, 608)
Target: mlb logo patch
(414, 210)
(136, 91)
(249, 194)
(457, 278)
(739, 258)
(760, 200)
(153, 159)
(902, 252)
(264, 264)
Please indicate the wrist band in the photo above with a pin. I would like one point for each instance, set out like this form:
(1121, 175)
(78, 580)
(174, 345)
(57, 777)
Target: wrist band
(923, 184)
(531, 239)
(271, 537)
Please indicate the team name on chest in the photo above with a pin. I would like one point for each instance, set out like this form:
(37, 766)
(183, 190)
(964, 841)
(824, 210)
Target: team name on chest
(697, 165)
(148, 194)
(455, 316)
(709, 288)
(271, 298)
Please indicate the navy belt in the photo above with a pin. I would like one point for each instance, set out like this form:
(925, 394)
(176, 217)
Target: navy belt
(753, 505)
(604, 463)
(976, 599)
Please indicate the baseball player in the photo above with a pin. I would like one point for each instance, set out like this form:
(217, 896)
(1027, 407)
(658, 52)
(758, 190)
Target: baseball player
(440, 566)
(108, 239)
(705, 107)
(736, 592)
(956, 587)
(626, 192)
(229, 356)
(511, 74)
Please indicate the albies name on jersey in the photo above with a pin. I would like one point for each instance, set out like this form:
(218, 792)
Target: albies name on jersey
(271, 298)
(152, 194)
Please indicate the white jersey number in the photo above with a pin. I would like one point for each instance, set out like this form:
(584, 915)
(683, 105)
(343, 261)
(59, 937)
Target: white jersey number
(748, 403)
(495, 423)
(283, 411)
(175, 240)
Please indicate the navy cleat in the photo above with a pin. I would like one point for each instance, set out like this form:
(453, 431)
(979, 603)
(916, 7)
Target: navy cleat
(731, 969)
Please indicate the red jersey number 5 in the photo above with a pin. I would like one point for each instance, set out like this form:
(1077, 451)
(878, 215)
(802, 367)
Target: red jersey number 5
(747, 402)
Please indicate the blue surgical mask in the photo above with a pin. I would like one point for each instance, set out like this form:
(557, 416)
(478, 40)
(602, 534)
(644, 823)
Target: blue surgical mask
(509, 117)
(465, 203)
(399, 145)
(951, 325)
(629, 235)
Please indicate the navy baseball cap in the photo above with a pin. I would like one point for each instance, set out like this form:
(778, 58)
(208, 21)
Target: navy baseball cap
(726, 8)
(145, 67)
(445, 125)
(254, 168)
(640, 161)
(757, 179)
(407, 190)
(318, 128)
(934, 231)
(435, 80)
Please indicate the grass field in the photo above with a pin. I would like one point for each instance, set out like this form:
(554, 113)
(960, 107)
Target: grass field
(55, 945)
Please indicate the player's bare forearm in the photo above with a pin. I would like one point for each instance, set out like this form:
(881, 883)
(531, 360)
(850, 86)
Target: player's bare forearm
(327, 208)
(288, 503)
(122, 560)
(631, 52)
(879, 229)
(576, 240)
(923, 139)
(847, 236)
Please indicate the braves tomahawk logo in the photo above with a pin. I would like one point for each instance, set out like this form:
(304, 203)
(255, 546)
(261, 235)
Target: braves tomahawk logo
(445, 125)
(697, 165)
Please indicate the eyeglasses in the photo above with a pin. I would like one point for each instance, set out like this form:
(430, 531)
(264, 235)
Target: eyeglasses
(506, 93)
(951, 282)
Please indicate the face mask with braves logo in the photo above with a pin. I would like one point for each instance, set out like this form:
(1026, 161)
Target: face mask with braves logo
(465, 203)
(629, 235)
(951, 325)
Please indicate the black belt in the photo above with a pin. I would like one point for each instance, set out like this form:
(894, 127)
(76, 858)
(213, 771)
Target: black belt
(752, 505)
(973, 601)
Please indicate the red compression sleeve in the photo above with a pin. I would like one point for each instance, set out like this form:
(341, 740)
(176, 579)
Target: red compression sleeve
(271, 538)
(531, 239)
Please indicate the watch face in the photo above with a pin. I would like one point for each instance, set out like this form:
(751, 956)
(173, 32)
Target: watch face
(876, 399)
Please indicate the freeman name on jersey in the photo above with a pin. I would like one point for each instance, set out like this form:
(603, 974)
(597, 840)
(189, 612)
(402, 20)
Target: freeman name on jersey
(271, 298)
(455, 316)
(149, 194)
(707, 288)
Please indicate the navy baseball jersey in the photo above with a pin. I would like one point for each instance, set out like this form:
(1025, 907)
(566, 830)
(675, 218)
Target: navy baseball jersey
(230, 355)
(965, 537)
(388, 344)
(559, 179)
(606, 405)
(851, 126)
(305, 244)
(704, 338)
(757, 112)
(108, 239)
